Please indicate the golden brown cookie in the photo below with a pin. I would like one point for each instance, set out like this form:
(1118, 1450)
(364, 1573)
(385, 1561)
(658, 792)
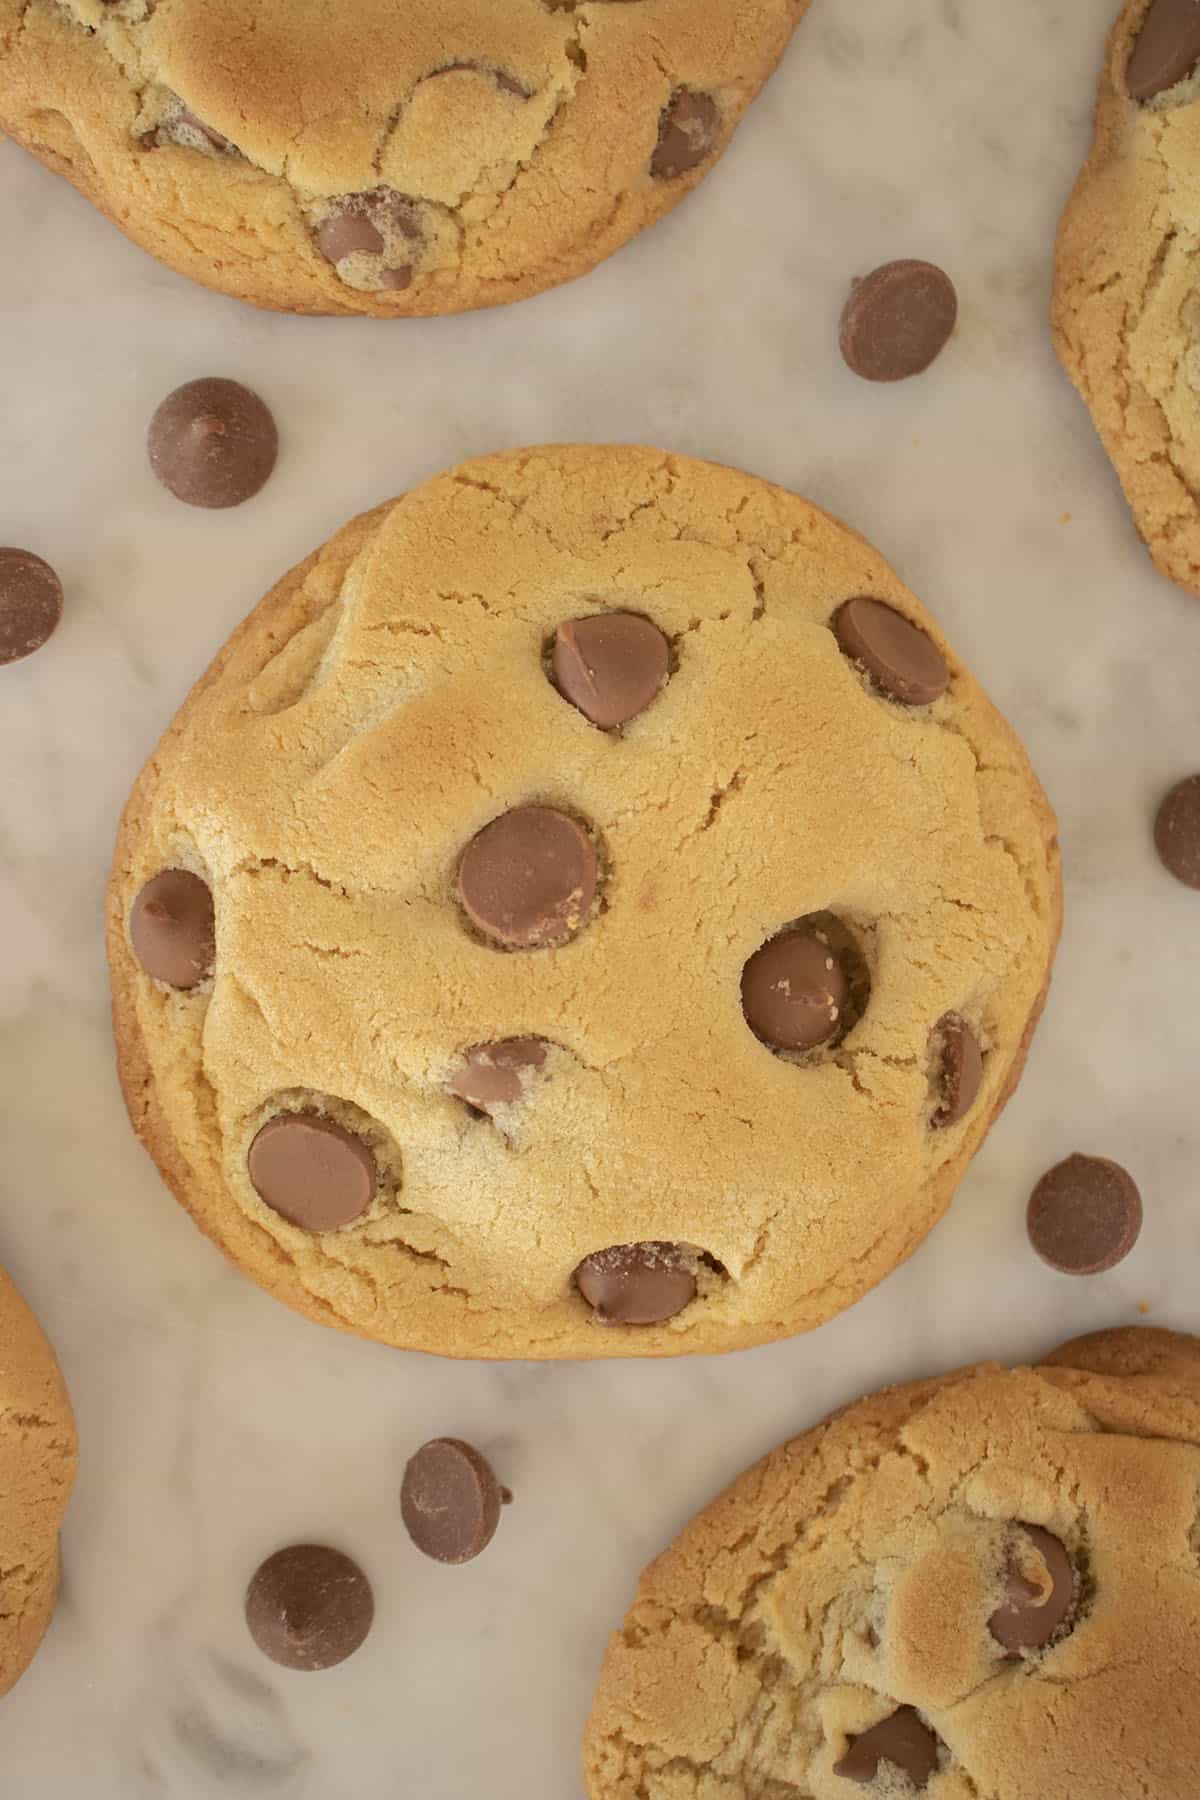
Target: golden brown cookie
(383, 158)
(37, 1469)
(1126, 315)
(985, 1585)
(629, 917)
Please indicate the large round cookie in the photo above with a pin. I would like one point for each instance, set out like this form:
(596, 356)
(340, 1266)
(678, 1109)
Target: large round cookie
(984, 1586)
(37, 1468)
(1126, 319)
(336, 780)
(380, 156)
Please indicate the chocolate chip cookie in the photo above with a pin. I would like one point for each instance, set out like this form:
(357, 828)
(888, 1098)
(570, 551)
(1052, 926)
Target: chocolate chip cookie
(983, 1585)
(586, 910)
(384, 158)
(37, 1469)
(1126, 315)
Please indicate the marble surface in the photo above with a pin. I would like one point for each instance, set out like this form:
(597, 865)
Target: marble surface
(215, 1425)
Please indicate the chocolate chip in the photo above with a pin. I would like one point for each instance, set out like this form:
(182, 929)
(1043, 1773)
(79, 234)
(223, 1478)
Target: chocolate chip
(528, 879)
(450, 1500)
(793, 991)
(1034, 1611)
(1176, 829)
(312, 1171)
(309, 1607)
(687, 131)
(897, 320)
(636, 1284)
(508, 84)
(212, 443)
(348, 233)
(610, 665)
(171, 928)
(900, 659)
(1167, 48)
(498, 1074)
(183, 126)
(1084, 1215)
(959, 1070)
(902, 1740)
(31, 602)
(365, 225)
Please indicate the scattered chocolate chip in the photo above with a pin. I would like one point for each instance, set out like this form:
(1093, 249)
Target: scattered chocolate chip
(312, 1171)
(450, 1500)
(610, 665)
(171, 928)
(636, 1284)
(528, 879)
(1177, 826)
(498, 1074)
(1084, 1215)
(212, 443)
(309, 1607)
(959, 1070)
(793, 991)
(31, 602)
(1167, 48)
(897, 320)
(902, 1740)
(370, 224)
(900, 659)
(687, 131)
(1034, 1611)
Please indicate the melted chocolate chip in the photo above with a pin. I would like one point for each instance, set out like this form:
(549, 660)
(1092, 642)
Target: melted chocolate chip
(897, 320)
(901, 661)
(528, 879)
(794, 991)
(1084, 1215)
(902, 1741)
(498, 1074)
(687, 132)
(366, 225)
(450, 1500)
(171, 928)
(1167, 49)
(31, 602)
(309, 1607)
(1035, 1610)
(213, 443)
(636, 1284)
(959, 1070)
(312, 1171)
(610, 666)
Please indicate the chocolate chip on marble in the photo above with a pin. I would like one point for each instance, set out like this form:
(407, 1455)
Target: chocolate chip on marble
(31, 603)
(794, 991)
(902, 1742)
(610, 665)
(171, 928)
(959, 1070)
(451, 1501)
(1167, 49)
(1176, 827)
(1034, 1610)
(901, 661)
(309, 1607)
(213, 443)
(312, 1171)
(498, 1074)
(687, 132)
(528, 880)
(1084, 1215)
(636, 1284)
(368, 225)
(897, 320)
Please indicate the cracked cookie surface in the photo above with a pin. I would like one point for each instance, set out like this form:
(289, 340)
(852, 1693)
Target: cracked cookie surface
(383, 159)
(642, 1038)
(37, 1468)
(994, 1576)
(1125, 311)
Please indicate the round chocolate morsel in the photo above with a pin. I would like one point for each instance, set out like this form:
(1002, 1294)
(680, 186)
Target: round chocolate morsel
(31, 602)
(793, 991)
(312, 1171)
(1177, 826)
(902, 662)
(897, 320)
(309, 1607)
(902, 1741)
(212, 443)
(636, 1284)
(1035, 1610)
(171, 928)
(610, 665)
(1084, 1215)
(450, 1500)
(1167, 49)
(528, 879)
(959, 1072)
(687, 132)
(498, 1074)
